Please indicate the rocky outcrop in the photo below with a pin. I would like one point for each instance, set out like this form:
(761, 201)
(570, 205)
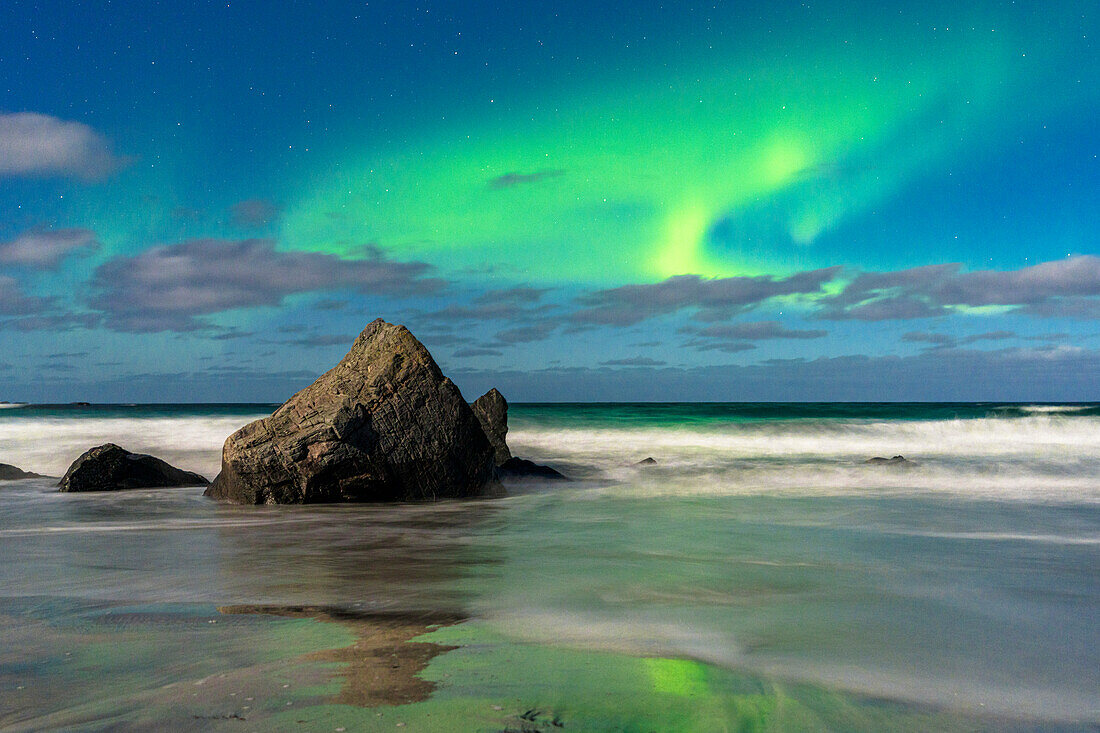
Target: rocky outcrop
(382, 425)
(895, 461)
(11, 473)
(521, 469)
(110, 468)
(492, 412)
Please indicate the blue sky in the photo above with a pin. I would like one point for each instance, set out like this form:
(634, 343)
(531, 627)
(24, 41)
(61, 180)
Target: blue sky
(573, 201)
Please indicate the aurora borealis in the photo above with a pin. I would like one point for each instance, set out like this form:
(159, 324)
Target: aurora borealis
(820, 200)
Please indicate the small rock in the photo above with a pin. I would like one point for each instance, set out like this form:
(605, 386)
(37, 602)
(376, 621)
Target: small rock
(110, 468)
(492, 412)
(520, 468)
(647, 462)
(895, 461)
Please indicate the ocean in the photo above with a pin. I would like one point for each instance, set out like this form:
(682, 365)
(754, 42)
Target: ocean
(759, 576)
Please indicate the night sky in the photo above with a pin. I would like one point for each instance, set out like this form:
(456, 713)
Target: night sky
(571, 201)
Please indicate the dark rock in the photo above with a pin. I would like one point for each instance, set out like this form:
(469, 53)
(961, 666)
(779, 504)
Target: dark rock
(382, 425)
(492, 412)
(520, 468)
(895, 461)
(109, 468)
(647, 462)
(11, 473)
(82, 404)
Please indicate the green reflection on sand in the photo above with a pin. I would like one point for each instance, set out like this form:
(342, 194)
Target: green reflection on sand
(492, 683)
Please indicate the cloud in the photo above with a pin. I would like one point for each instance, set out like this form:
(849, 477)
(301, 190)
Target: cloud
(33, 144)
(44, 249)
(254, 213)
(510, 180)
(635, 361)
(711, 299)
(1060, 288)
(168, 288)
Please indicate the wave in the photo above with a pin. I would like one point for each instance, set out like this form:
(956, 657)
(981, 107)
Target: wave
(1046, 455)
(49, 445)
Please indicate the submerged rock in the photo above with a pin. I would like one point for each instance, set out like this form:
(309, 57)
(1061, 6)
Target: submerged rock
(11, 473)
(521, 468)
(110, 468)
(492, 412)
(382, 425)
(895, 461)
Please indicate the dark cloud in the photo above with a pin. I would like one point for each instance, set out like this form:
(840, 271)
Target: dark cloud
(711, 299)
(635, 361)
(728, 347)
(14, 302)
(44, 249)
(757, 330)
(1065, 288)
(33, 144)
(946, 341)
(527, 334)
(168, 288)
(511, 295)
(1078, 308)
(254, 213)
(321, 340)
(936, 340)
(231, 334)
(475, 351)
(51, 322)
(510, 180)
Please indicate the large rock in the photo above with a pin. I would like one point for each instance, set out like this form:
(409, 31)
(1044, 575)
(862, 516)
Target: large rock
(109, 468)
(11, 473)
(382, 425)
(492, 412)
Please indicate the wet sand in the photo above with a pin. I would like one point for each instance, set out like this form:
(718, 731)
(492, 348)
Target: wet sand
(383, 666)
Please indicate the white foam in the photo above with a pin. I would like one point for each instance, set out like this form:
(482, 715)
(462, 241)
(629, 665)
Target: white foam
(1043, 456)
(49, 445)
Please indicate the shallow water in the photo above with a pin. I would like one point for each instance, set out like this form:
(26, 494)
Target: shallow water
(759, 576)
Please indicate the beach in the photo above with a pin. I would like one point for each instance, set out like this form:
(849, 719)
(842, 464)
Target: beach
(759, 576)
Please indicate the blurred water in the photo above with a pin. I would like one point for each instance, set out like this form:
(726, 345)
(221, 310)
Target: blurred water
(760, 542)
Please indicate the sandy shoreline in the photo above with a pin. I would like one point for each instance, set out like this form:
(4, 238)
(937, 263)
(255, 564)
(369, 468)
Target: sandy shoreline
(383, 665)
